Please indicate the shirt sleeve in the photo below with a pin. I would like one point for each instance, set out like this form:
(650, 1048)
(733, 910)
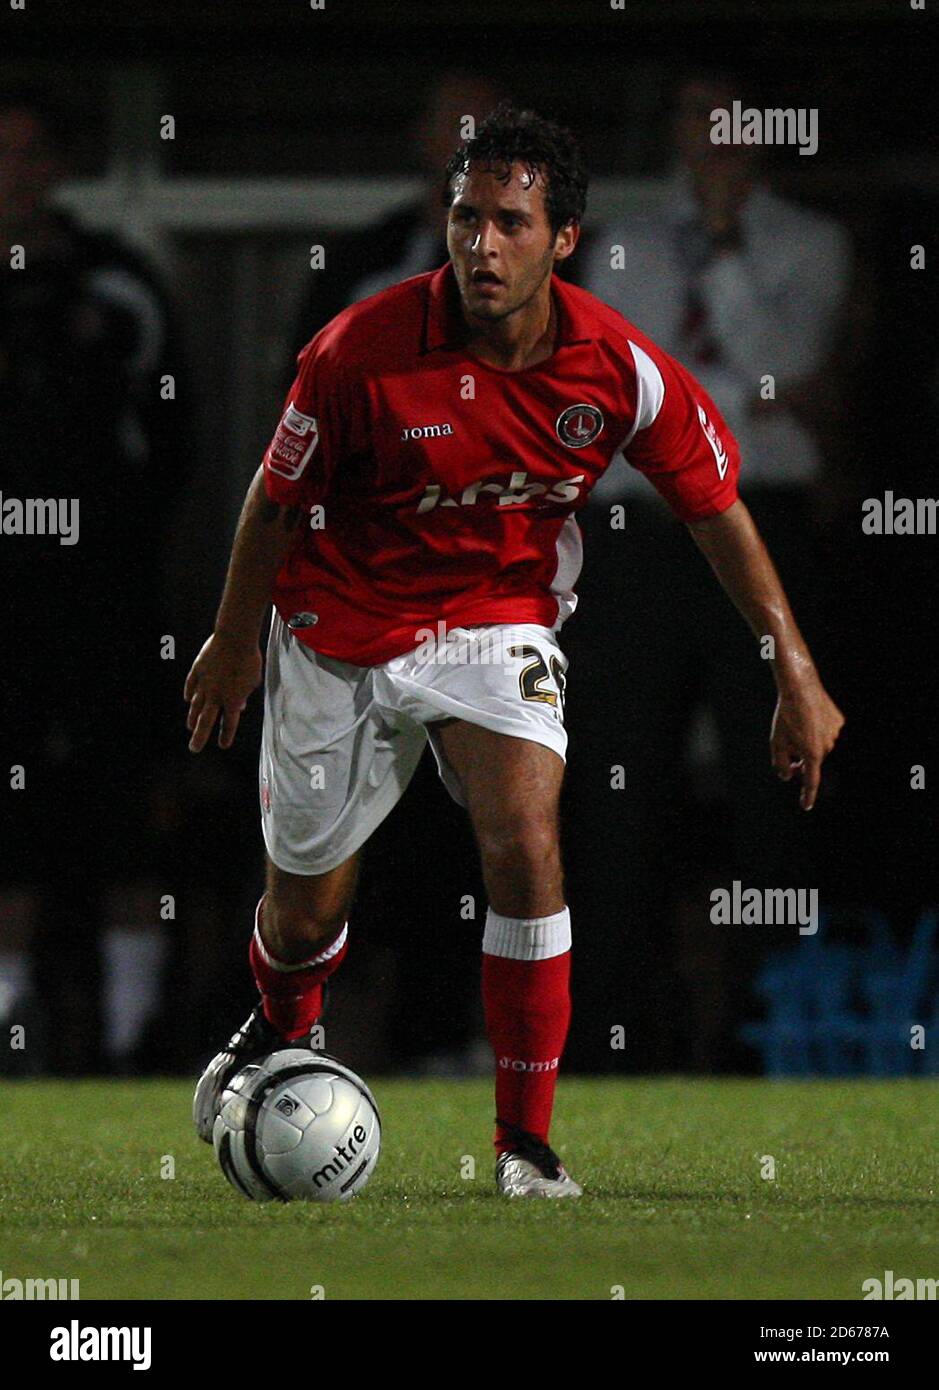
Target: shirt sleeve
(317, 428)
(679, 438)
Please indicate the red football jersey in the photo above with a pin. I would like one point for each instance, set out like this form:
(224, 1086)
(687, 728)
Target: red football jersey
(443, 491)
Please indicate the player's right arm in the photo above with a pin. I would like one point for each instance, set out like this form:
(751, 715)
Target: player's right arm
(228, 668)
(321, 423)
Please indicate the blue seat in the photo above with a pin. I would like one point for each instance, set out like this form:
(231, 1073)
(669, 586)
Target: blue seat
(838, 1010)
(897, 1000)
(837, 1027)
(783, 1037)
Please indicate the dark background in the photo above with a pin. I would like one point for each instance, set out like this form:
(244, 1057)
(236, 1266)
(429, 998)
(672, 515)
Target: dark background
(279, 91)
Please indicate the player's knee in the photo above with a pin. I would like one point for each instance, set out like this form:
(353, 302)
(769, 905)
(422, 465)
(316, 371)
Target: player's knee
(522, 847)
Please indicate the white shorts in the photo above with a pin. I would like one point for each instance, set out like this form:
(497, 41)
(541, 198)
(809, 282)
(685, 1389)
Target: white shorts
(341, 742)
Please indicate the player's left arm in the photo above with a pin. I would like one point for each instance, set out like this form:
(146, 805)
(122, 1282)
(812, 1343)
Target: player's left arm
(682, 444)
(807, 721)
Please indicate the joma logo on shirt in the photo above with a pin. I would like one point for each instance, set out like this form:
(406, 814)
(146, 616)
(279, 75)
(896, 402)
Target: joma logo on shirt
(518, 489)
(426, 431)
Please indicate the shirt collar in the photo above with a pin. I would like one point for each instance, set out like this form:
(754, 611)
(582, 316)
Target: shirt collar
(444, 327)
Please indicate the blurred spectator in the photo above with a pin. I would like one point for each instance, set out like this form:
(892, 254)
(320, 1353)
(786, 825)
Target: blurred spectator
(737, 283)
(86, 416)
(411, 239)
(740, 285)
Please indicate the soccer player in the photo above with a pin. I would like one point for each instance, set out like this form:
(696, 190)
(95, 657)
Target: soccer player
(414, 522)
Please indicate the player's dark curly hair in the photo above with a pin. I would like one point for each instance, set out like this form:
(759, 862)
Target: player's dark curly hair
(509, 135)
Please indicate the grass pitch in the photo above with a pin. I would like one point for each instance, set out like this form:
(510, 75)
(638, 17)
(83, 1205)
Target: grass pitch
(674, 1207)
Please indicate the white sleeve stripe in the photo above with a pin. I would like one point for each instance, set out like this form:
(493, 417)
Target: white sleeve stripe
(650, 392)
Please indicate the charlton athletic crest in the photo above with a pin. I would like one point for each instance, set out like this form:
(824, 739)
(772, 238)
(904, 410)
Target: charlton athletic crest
(579, 425)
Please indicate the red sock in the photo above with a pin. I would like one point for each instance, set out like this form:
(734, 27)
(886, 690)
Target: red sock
(293, 994)
(526, 998)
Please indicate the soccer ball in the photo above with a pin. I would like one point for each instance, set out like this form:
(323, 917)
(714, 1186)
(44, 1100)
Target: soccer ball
(297, 1126)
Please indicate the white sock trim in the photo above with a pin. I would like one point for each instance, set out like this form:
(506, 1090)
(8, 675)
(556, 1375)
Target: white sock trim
(286, 969)
(527, 938)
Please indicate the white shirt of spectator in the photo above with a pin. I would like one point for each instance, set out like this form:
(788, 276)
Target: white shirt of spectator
(418, 257)
(771, 306)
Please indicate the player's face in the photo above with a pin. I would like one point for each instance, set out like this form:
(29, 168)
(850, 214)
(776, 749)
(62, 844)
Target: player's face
(500, 241)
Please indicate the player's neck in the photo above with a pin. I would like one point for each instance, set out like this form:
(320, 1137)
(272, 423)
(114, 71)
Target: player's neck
(521, 340)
